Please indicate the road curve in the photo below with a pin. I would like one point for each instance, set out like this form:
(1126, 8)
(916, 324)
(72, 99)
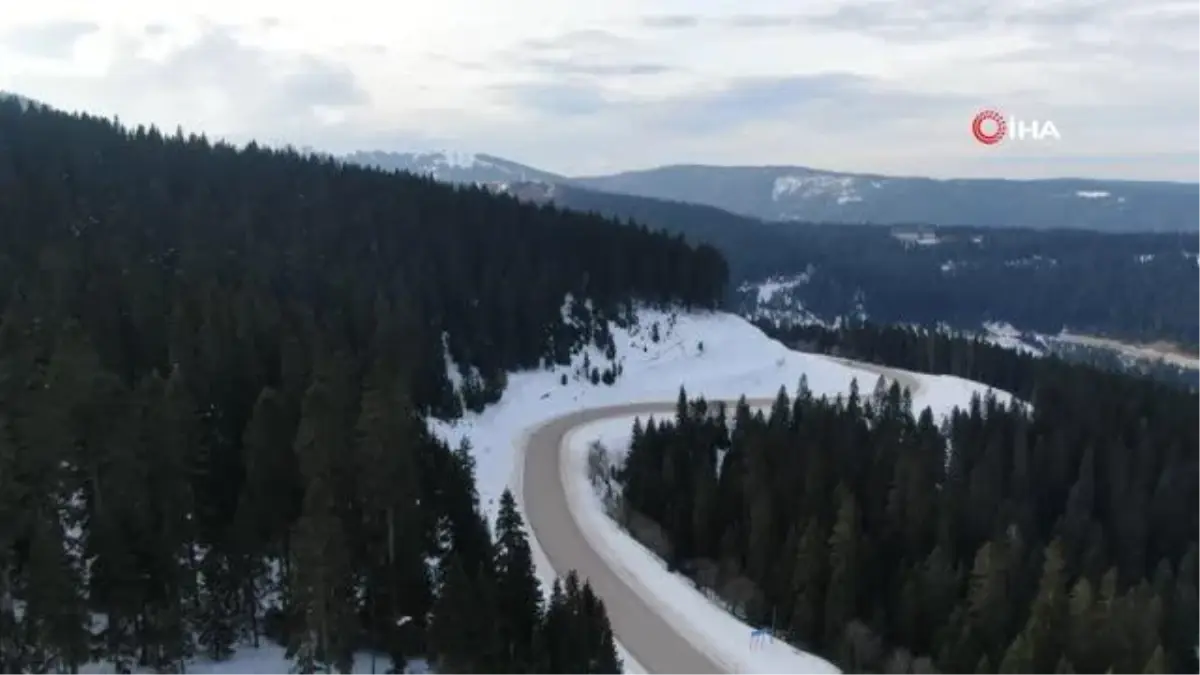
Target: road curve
(649, 637)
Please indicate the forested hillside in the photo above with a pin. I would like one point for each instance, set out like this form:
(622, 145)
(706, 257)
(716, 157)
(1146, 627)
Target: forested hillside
(1062, 540)
(1137, 287)
(214, 368)
(1133, 286)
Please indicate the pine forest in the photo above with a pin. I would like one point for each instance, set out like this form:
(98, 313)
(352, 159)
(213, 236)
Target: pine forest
(215, 366)
(1062, 539)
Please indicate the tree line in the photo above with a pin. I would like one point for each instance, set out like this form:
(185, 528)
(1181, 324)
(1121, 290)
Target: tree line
(216, 364)
(1000, 540)
(1139, 286)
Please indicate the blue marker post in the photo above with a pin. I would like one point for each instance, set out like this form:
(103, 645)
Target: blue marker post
(760, 637)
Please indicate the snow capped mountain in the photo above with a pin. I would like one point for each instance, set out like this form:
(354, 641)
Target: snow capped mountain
(797, 193)
(453, 167)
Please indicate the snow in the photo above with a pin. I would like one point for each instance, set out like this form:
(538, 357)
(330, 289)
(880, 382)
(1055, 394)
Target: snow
(268, 658)
(459, 160)
(917, 238)
(717, 355)
(722, 635)
(841, 188)
(1003, 334)
(768, 289)
(1032, 261)
(1130, 351)
(1092, 194)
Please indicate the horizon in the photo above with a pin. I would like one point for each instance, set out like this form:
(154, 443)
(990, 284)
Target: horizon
(1189, 159)
(851, 172)
(866, 86)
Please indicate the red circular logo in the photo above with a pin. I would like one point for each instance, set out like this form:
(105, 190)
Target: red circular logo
(989, 127)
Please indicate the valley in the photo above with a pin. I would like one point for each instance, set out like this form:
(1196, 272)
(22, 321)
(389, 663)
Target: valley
(804, 194)
(267, 410)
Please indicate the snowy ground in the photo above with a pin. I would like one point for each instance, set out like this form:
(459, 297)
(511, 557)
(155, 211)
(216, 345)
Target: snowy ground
(717, 355)
(692, 613)
(266, 659)
(1160, 351)
(1003, 334)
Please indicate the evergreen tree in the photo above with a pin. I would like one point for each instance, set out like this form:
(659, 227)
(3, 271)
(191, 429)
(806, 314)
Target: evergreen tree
(808, 581)
(518, 592)
(842, 595)
(1045, 628)
(321, 583)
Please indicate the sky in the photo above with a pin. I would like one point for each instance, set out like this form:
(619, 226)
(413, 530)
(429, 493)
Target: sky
(582, 88)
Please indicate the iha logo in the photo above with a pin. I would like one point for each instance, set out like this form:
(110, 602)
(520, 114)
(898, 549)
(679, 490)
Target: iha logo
(990, 127)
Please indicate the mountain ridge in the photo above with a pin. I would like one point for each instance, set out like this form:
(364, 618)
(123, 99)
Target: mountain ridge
(787, 193)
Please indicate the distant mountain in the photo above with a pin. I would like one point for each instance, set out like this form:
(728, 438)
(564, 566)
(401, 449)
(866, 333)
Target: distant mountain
(1136, 286)
(794, 193)
(805, 194)
(454, 167)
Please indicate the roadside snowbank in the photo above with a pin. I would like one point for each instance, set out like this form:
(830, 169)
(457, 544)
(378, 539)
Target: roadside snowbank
(714, 354)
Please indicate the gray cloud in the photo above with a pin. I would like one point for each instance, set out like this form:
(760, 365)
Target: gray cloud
(833, 101)
(53, 39)
(577, 39)
(219, 60)
(928, 20)
(670, 21)
(570, 60)
(762, 21)
(216, 81)
(566, 98)
(570, 66)
(746, 21)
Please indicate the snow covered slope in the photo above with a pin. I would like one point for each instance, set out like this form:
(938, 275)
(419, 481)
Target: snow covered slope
(715, 354)
(718, 355)
(453, 167)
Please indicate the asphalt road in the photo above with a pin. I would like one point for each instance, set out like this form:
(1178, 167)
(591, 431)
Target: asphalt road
(648, 636)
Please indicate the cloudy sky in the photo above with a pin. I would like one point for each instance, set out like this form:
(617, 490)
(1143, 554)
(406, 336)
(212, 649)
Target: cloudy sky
(578, 87)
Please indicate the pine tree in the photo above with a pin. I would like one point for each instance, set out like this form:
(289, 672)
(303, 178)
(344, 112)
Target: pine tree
(268, 506)
(1082, 627)
(842, 592)
(1018, 658)
(218, 610)
(1044, 630)
(518, 592)
(1157, 662)
(808, 579)
(166, 452)
(555, 639)
(13, 495)
(321, 584)
(601, 648)
(54, 621)
(396, 579)
(462, 637)
(987, 596)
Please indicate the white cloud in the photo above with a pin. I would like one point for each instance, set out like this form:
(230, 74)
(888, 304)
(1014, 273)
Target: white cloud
(871, 85)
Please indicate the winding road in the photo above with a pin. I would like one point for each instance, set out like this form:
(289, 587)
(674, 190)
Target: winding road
(648, 636)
